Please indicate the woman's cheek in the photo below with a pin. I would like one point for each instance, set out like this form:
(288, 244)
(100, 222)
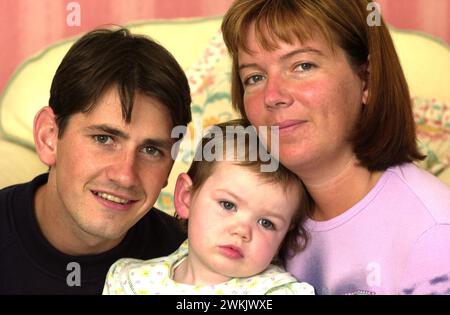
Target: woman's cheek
(253, 110)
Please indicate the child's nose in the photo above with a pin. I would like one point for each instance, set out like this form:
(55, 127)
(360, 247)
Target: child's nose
(242, 230)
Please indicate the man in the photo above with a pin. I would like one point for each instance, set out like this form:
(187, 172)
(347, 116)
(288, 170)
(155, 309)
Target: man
(106, 138)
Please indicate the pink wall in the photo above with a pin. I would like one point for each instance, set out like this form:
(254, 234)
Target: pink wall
(429, 16)
(27, 26)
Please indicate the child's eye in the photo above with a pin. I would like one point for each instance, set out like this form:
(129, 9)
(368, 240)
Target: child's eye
(267, 224)
(227, 205)
(102, 139)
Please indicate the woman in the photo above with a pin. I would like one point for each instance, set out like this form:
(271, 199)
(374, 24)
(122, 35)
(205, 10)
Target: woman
(333, 85)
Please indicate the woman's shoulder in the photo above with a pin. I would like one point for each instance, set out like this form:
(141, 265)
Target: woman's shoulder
(432, 193)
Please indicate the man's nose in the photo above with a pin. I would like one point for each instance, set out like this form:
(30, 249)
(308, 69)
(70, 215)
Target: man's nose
(123, 170)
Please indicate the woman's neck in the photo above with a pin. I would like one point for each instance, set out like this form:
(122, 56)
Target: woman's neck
(336, 189)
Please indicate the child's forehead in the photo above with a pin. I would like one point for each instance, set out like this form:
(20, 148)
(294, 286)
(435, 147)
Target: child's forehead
(226, 172)
(228, 169)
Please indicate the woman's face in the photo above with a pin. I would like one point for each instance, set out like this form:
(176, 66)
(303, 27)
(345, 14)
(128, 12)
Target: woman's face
(310, 92)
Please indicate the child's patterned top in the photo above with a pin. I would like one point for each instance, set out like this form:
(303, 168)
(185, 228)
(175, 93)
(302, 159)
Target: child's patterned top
(154, 276)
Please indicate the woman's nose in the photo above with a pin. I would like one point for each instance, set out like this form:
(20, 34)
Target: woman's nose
(276, 94)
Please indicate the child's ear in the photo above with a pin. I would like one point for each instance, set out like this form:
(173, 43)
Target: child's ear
(45, 133)
(182, 195)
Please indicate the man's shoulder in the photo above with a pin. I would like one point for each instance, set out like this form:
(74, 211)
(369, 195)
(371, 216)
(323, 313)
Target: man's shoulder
(163, 224)
(7, 192)
(160, 218)
(19, 197)
(11, 199)
(15, 201)
(161, 233)
(22, 188)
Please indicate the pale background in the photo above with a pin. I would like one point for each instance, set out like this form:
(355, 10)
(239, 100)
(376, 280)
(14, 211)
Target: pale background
(27, 26)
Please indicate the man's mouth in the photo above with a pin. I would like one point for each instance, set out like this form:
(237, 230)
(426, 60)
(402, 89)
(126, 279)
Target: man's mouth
(112, 198)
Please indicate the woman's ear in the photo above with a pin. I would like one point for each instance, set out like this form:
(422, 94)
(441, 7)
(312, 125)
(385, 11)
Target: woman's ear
(45, 133)
(365, 76)
(182, 195)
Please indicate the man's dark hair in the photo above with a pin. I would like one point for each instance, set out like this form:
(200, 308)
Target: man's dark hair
(103, 59)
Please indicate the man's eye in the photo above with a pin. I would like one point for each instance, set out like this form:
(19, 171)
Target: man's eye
(253, 79)
(103, 139)
(152, 151)
(267, 224)
(227, 205)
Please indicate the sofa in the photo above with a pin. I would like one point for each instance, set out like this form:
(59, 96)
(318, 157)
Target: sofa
(197, 44)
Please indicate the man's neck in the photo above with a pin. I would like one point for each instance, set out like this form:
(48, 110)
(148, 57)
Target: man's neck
(59, 228)
(337, 189)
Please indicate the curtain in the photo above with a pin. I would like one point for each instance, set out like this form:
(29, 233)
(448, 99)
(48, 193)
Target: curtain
(428, 16)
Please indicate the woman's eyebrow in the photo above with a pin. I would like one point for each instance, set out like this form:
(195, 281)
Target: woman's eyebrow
(304, 50)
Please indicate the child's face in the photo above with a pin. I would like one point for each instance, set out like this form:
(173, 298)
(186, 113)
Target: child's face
(237, 223)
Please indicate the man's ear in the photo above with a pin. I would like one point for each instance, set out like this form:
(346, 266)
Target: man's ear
(182, 195)
(45, 133)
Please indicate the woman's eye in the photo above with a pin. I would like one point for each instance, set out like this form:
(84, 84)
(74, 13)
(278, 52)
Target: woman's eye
(305, 66)
(253, 79)
(227, 205)
(103, 139)
(267, 224)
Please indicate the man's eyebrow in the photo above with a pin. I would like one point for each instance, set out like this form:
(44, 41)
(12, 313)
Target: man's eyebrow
(159, 143)
(156, 142)
(288, 55)
(109, 130)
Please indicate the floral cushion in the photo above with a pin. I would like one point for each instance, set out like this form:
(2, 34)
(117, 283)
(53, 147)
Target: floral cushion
(209, 79)
(433, 130)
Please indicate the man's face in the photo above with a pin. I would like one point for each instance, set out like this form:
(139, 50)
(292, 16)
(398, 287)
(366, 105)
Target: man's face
(108, 173)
